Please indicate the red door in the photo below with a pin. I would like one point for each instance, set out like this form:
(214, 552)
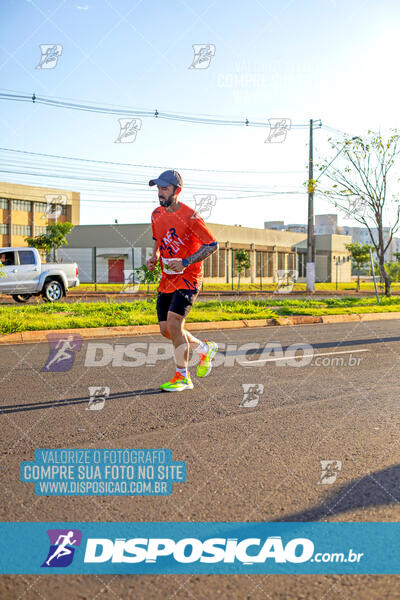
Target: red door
(115, 270)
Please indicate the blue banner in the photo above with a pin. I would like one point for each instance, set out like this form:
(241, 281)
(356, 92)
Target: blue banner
(214, 548)
(103, 472)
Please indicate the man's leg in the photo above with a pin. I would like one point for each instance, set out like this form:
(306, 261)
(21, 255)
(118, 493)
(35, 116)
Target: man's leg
(194, 343)
(173, 328)
(163, 302)
(175, 324)
(181, 304)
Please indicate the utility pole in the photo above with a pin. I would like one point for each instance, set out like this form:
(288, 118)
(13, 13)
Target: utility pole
(310, 266)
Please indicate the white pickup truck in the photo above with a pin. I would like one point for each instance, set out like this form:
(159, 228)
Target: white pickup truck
(23, 275)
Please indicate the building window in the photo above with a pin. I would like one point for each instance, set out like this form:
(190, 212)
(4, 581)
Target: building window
(215, 265)
(24, 230)
(222, 262)
(43, 207)
(258, 263)
(21, 205)
(39, 207)
(268, 264)
(39, 230)
(3, 229)
(234, 264)
(301, 264)
(206, 266)
(4, 203)
(281, 261)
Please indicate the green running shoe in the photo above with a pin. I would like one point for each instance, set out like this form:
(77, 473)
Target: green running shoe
(178, 383)
(204, 367)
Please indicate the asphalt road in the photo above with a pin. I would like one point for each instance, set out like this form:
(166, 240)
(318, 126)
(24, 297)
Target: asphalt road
(260, 462)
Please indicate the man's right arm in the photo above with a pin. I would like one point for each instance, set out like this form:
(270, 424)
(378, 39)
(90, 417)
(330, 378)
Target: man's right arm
(151, 262)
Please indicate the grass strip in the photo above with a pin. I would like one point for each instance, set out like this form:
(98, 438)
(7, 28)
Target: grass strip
(111, 314)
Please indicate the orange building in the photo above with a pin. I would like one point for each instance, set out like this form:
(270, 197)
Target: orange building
(26, 210)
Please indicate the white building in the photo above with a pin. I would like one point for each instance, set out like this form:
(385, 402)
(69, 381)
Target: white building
(328, 225)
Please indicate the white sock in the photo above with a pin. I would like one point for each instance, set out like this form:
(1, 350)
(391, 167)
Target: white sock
(202, 348)
(182, 371)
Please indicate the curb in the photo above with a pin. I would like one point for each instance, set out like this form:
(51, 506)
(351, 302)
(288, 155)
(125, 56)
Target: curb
(26, 337)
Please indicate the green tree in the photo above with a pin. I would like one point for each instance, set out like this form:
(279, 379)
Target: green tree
(242, 263)
(397, 256)
(148, 277)
(358, 184)
(393, 270)
(360, 255)
(53, 239)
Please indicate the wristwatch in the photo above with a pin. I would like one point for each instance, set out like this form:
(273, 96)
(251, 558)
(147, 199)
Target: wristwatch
(185, 262)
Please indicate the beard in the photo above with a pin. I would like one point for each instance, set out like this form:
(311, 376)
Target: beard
(166, 201)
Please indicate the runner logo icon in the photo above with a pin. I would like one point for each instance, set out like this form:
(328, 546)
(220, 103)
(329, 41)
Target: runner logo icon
(63, 543)
(62, 352)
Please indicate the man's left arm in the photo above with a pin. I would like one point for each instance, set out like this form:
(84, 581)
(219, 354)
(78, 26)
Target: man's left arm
(202, 253)
(208, 247)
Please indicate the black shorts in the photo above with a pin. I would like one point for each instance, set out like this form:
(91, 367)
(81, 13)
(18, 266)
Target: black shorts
(180, 302)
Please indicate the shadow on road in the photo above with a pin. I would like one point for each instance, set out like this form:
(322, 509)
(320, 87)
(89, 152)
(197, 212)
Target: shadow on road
(315, 345)
(376, 489)
(13, 408)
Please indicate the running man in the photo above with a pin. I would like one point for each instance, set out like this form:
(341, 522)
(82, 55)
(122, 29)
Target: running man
(181, 242)
(63, 346)
(62, 549)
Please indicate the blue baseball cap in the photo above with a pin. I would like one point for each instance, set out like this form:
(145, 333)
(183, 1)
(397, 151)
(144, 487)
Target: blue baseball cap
(167, 178)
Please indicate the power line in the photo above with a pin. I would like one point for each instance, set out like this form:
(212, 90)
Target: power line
(108, 162)
(334, 130)
(133, 112)
(52, 166)
(193, 187)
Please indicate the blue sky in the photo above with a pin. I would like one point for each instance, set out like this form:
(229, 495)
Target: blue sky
(331, 60)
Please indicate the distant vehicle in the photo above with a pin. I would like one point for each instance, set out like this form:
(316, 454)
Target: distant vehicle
(26, 275)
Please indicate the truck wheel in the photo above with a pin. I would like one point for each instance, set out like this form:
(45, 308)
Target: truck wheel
(20, 298)
(52, 291)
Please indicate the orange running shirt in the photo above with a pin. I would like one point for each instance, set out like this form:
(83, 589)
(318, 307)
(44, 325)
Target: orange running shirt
(179, 235)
